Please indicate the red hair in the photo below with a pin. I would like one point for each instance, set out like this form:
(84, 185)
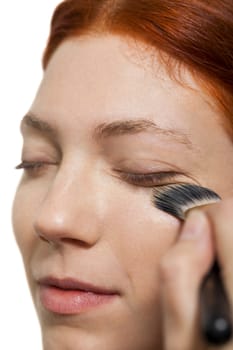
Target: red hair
(195, 33)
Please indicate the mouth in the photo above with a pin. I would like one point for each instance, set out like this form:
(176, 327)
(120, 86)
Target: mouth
(68, 296)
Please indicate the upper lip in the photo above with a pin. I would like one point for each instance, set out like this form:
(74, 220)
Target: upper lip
(73, 284)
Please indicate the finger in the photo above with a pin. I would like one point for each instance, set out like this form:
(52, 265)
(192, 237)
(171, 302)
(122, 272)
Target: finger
(181, 271)
(221, 218)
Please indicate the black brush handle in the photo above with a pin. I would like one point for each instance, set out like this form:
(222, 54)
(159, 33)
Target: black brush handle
(215, 309)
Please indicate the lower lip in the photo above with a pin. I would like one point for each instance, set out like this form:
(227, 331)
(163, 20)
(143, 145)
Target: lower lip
(70, 302)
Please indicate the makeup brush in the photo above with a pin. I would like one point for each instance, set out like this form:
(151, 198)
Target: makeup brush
(215, 310)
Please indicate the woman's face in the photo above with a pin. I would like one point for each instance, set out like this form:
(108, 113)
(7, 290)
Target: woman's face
(102, 117)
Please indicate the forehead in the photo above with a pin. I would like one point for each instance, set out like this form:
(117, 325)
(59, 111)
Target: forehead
(98, 78)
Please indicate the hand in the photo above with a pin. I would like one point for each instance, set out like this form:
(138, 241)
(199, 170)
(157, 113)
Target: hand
(206, 232)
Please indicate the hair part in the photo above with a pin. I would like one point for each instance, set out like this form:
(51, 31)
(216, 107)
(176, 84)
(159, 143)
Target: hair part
(196, 34)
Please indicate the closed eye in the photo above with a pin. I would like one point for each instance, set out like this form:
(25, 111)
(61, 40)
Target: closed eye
(29, 165)
(152, 179)
(34, 168)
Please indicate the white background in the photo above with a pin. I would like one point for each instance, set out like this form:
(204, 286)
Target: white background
(24, 28)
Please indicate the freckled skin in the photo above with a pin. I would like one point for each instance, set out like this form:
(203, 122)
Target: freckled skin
(78, 218)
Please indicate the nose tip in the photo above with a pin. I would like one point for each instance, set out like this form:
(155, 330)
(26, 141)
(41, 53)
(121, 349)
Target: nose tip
(63, 218)
(50, 227)
(57, 227)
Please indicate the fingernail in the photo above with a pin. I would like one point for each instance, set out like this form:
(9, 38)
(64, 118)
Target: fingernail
(194, 225)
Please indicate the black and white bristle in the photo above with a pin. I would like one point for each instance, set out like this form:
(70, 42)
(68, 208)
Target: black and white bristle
(176, 199)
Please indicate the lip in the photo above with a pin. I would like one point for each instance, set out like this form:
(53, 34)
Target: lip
(70, 296)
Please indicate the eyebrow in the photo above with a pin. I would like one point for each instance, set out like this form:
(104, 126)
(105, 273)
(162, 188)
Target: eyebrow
(32, 121)
(113, 129)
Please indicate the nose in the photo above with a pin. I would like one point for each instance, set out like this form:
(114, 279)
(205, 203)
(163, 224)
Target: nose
(71, 211)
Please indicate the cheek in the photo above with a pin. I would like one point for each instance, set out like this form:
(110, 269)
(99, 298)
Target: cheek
(141, 235)
(25, 206)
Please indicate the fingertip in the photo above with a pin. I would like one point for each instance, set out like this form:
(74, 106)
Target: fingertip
(196, 224)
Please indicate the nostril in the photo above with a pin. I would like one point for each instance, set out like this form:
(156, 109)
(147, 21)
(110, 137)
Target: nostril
(64, 240)
(73, 241)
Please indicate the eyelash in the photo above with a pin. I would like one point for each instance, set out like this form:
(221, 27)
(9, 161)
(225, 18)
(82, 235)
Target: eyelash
(150, 179)
(33, 166)
(143, 180)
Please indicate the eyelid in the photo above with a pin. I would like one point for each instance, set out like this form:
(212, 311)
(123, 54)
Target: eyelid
(150, 179)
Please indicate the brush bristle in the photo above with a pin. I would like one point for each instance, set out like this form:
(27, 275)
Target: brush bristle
(176, 199)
